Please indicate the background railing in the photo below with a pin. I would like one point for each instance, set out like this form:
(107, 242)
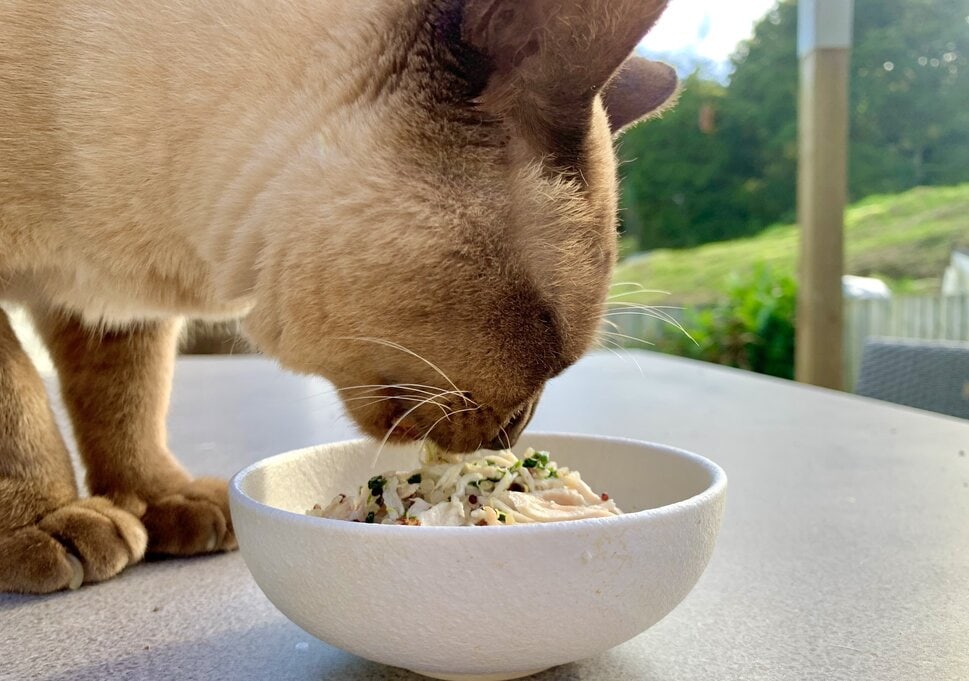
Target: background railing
(920, 317)
(916, 317)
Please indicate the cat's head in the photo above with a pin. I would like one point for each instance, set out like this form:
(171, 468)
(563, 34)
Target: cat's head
(465, 216)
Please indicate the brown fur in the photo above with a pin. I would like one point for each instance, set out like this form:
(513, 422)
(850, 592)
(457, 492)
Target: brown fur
(349, 177)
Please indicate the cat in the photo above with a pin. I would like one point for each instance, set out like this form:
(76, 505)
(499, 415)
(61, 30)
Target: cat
(415, 199)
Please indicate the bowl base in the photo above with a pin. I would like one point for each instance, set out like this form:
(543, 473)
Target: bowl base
(478, 677)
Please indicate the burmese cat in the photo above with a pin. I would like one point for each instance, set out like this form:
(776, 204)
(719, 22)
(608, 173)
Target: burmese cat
(389, 192)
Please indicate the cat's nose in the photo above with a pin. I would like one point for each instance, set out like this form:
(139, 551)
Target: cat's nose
(509, 433)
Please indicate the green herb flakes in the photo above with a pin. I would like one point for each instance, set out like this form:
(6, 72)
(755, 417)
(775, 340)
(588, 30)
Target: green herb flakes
(376, 485)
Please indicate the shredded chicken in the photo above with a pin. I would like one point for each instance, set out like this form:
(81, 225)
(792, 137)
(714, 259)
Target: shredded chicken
(493, 488)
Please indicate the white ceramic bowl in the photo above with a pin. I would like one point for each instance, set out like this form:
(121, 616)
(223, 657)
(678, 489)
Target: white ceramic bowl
(480, 602)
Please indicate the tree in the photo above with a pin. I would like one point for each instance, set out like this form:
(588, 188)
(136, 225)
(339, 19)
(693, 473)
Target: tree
(669, 167)
(909, 125)
(760, 119)
(909, 95)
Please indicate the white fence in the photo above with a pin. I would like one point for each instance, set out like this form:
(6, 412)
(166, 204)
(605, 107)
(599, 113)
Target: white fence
(923, 317)
(637, 327)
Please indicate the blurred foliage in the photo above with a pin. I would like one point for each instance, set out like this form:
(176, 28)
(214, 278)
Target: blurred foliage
(751, 328)
(627, 245)
(722, 164)
(904, 239)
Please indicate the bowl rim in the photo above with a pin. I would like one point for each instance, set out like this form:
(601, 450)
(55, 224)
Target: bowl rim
(715, 489)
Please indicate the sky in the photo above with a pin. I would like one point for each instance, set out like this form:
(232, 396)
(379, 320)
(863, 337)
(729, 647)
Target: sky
(704, 30)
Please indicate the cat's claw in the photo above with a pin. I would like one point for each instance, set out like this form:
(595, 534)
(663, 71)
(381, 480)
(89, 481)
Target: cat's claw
(84, 541)
(77, 578)
(213, 541)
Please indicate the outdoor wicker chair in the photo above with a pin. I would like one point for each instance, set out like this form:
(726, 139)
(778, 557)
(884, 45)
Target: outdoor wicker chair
(931, 375)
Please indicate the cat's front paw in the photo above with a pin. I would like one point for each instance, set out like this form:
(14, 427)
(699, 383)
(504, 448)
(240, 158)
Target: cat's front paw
(190, 520)
(87, 540)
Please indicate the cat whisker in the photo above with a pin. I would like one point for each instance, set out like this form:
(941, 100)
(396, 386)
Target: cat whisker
(414, 387)
(407, 390)
(376, 398)
(506, 436)
(396, 423)
(640, 288)
(628, 303)
(602, 345)
(459, 393)
(628, 355)
(637, 292)
(401, 348)
(610, 323)
(369, 388)
(635, 339)
(649, 311)
(399, 398)
(427, 434)
(632, 311)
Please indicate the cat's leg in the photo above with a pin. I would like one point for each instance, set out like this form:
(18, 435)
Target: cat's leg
(49, 539)
(116, 386)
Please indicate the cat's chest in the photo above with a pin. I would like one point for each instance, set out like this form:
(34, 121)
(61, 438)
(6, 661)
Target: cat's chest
(134, 295)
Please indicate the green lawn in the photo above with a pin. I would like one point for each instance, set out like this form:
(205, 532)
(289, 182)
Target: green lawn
(904, 238)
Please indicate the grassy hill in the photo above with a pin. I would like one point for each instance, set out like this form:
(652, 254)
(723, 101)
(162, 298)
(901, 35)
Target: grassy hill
(905, 239)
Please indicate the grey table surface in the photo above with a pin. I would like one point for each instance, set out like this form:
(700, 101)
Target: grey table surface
(844, 552)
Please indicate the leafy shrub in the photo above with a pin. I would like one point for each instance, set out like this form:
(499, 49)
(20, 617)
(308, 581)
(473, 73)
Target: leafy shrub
(751, 328)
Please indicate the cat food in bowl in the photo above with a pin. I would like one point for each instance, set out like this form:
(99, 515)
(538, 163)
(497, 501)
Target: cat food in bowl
(480, 601)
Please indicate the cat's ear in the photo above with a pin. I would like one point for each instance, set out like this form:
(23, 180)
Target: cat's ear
(553, 54)
(640, 89)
